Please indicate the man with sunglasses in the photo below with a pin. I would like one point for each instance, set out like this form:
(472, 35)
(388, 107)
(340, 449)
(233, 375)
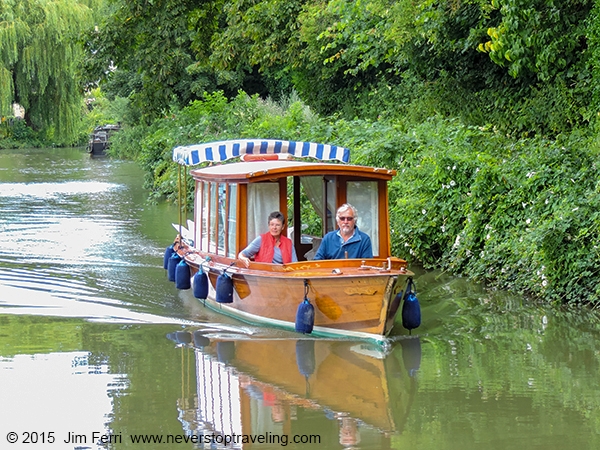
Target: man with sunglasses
(347, 241)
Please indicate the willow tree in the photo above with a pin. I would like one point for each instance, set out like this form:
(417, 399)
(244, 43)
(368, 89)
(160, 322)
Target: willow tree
(39, 57)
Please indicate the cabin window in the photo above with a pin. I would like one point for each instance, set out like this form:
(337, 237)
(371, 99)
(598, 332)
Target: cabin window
(363, 195)
(313, 212)
(213, 225)
(263, 199)
(231, 220)
(216, 218)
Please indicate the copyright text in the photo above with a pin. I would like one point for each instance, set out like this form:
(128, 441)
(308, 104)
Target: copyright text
(100, 438)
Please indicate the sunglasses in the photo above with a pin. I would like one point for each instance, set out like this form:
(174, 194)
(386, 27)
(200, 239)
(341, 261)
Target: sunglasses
(346, 218)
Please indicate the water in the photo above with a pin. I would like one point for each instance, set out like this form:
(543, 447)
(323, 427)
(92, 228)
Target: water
(99, 350)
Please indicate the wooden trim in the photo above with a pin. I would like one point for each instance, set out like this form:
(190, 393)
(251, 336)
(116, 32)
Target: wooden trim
(197, 204)
(341, 194)
(297, 217)
(226, 221)
(385, 249)
(283, 200)
(208, 212)
(242, 218)
(217, 212)
(251, 172)
(324, 212)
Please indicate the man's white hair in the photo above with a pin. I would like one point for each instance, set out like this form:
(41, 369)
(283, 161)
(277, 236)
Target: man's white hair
(345, 207)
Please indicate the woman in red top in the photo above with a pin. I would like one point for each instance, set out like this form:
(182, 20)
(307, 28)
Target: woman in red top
(272, 246)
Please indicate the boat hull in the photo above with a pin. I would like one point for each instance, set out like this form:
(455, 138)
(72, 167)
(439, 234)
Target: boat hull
(350, 297)
(97, 148)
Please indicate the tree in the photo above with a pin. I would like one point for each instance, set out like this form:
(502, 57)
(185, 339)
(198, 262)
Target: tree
(156, 47)
(542, 37)
(39, 57)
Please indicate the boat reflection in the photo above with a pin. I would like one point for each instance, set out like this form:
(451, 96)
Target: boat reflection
(338, 392)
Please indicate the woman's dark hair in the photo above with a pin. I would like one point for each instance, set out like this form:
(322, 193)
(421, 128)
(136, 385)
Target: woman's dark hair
(276, 215)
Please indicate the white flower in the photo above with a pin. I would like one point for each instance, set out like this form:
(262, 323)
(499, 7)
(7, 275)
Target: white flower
(545, 283)
(456, 241)
(528, 221)
(452, 183)
(424, 211)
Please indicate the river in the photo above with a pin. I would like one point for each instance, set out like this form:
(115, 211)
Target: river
(98, 349)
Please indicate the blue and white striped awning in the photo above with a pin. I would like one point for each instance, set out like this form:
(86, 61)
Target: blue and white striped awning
(190, 155)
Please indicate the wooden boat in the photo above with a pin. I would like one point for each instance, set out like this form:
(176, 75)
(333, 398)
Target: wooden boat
(364, 391)
(307, 182)
(100, 139)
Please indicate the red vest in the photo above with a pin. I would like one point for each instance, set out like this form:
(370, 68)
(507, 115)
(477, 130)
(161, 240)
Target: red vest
(267, 248)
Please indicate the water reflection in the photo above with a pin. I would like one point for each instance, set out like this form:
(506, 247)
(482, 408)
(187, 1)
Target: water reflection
(305, 390)
(28, 398)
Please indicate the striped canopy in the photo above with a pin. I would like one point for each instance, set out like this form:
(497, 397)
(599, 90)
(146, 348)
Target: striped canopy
(190, 155)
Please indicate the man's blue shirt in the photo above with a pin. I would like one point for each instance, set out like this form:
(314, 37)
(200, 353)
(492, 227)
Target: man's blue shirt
(334, 247)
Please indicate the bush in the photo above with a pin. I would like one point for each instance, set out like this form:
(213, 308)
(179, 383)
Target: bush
(521, 215)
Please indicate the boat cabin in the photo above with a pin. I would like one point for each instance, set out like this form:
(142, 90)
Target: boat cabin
(233, 200)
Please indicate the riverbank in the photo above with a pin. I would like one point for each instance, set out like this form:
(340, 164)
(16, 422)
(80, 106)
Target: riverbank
(517, 214)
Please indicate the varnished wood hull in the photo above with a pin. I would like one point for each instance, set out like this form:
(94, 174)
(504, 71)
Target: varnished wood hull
(351, 298)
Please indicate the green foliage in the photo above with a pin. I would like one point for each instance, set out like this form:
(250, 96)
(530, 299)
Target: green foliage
(153, 45)
(100, 110)
(521, 215)
(542, 37)
(257, 33)
(14, 133)
(370, 59)
(39, 55)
